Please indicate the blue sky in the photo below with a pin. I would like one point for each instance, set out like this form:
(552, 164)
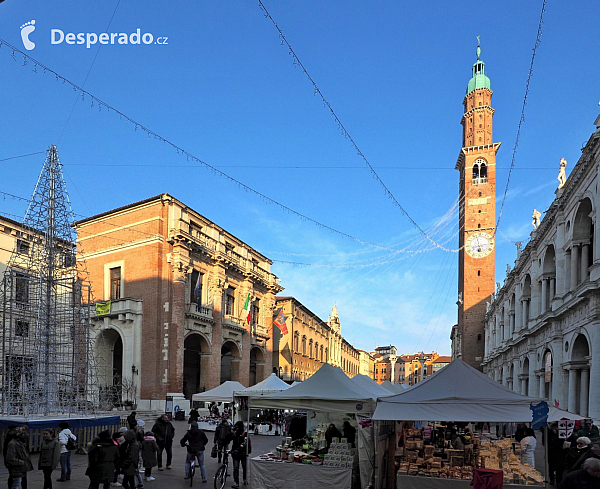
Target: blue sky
(225, 89)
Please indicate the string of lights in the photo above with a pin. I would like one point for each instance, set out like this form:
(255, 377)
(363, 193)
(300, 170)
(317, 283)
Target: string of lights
(538, 40)
(22, 156)
(346, 134)
(182, 152)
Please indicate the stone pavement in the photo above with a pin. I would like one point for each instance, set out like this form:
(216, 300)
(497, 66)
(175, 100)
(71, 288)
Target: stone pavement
(167, 478)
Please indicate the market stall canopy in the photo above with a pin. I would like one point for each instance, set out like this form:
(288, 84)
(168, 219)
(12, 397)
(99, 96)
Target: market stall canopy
(328, 389)
(296, 382)
(393, 388)
(368, 384)
(458, 392)
(223, 393)
(268, 386)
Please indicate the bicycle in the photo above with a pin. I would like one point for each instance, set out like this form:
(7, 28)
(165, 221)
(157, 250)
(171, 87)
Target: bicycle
(221, 475)
(192, 470)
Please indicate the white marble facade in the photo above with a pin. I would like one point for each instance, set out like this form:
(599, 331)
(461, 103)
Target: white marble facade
(542, 331)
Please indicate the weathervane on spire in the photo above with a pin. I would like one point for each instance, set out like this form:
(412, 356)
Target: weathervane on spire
(478, 47)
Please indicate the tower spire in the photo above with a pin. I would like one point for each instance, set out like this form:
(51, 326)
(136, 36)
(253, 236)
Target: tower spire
(478, 47)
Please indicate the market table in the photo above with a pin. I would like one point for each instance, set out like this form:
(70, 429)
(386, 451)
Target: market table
(265, 474)
(420, 482)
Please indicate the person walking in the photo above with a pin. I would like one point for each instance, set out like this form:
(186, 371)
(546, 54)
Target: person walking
(555, 454)
(164, 432)
(587, 477)
(528, 444)
(129, 454)
(17, 459)
(240, 448)
(196, 440)
(149, 455)
(131, 421)
(588, 430)
(64, 435)
(49, 456)
(222, 437)
(577, 455)
(103, 459)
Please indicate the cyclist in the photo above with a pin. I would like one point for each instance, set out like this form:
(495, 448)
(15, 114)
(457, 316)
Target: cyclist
(196, 440)
(240, 448)
(222, 437)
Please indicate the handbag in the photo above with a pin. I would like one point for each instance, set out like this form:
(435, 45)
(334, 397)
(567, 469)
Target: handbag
(71, 444)
(213, 452)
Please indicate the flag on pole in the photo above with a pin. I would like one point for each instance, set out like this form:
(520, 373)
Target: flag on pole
(198, 290)
(279, 321)
(246, 310)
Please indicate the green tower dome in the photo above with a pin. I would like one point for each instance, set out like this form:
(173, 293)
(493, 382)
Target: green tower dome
(479, 79)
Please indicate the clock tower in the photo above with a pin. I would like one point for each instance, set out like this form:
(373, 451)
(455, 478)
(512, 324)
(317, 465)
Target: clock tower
(477, 232)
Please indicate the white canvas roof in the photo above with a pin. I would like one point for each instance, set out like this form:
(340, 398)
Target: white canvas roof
(223, 393)
(393, 388)
(370, 385)
(268, 386)
(328, 389)
(458, 392)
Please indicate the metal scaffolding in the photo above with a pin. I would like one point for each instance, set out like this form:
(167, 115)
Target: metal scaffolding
(48, 366)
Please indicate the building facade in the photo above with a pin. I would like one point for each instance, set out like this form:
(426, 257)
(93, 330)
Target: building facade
(477, 213)
(177, 285)
(385, 362)
(412, 368)
(542, 335)
(308, 342)
(366, 364)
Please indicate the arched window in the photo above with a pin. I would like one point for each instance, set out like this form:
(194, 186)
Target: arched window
(479, 171)
(475, 172)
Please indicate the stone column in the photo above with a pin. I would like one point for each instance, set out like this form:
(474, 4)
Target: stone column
(524, 382)
(532, 386)
(173, 342)
(572, 399)
(574, 259)
(594, 381)
(524, 312)
(511, 323)
(552, 287)
(584, 391)
(542, 386)
(585, 257)
(544, 295)
(216, 288)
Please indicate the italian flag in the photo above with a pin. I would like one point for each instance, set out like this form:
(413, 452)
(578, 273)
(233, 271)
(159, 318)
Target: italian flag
(246, 310)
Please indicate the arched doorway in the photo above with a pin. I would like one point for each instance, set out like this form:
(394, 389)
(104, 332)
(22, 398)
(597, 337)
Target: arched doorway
(547, 375)
(109, 362)
(525, 377)
(196, 353)
(257, 365)
(230, 362)
(579, 373)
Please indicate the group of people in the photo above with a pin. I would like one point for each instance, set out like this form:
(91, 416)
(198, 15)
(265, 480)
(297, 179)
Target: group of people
(55, 448)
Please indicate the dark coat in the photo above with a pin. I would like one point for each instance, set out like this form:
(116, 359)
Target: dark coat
(17, 459)
(238, 445)
(580, 479)
(103, 458)
(223, 434)
(129, 454)
(575, 458)
(196, 440)
(49, 454)
(163, 431)
(332, 433)
(349, 433)
(149, 452)
(131, 421)
(194, 415)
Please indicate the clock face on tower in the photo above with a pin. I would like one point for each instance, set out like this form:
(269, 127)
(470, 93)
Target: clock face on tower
(479, 244)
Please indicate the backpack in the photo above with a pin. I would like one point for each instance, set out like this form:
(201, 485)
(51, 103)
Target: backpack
(71, 444)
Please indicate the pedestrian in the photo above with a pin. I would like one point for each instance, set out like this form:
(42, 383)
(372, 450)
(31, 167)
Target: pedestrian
(11, 432)
(349, 432)
(194, 415)
(555, 454)
(164, 432)
(131, 421)
(587, 477)
(528, 444)
(588, 430)
(17, 459)
(49, 456)
(103, 459)
(521, 432)
(196, 440)
(139, 433)
(64, 435)
(222, 437)
(577, 455)
(240, 448)
(149, 455)
(129, 455)
(117, 439)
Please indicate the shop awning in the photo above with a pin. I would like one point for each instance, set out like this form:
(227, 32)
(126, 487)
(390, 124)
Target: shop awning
(270, 385)
(222, 393)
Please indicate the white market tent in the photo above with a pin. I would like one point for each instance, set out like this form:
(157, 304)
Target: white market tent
(270, 385)
(222, 393)
(393, 388)
(458, 392)
(368, 384)
(328, 389)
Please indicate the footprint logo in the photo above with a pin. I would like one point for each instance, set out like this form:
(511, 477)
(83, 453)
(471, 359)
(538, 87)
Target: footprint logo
(27, 29)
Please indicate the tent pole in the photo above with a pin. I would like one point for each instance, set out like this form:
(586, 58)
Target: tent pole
(546, 465)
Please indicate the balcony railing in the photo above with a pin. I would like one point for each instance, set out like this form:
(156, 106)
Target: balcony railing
(192, 308)
(480, 181)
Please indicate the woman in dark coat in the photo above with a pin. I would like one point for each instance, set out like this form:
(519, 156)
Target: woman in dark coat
(129, 454)
(49, 456)
(239, 453)
(578, 454)
(149, 454)
(103, 457)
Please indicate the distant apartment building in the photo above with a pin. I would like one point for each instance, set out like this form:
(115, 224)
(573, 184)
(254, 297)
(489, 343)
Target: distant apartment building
(307, 342)
(366, 364)
(385, 361)
(413, 368)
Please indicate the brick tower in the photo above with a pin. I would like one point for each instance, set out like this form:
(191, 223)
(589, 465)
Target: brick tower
(476, 262)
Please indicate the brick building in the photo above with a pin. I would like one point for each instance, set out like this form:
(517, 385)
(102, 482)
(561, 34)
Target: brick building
(177, 283)
(309, 343)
